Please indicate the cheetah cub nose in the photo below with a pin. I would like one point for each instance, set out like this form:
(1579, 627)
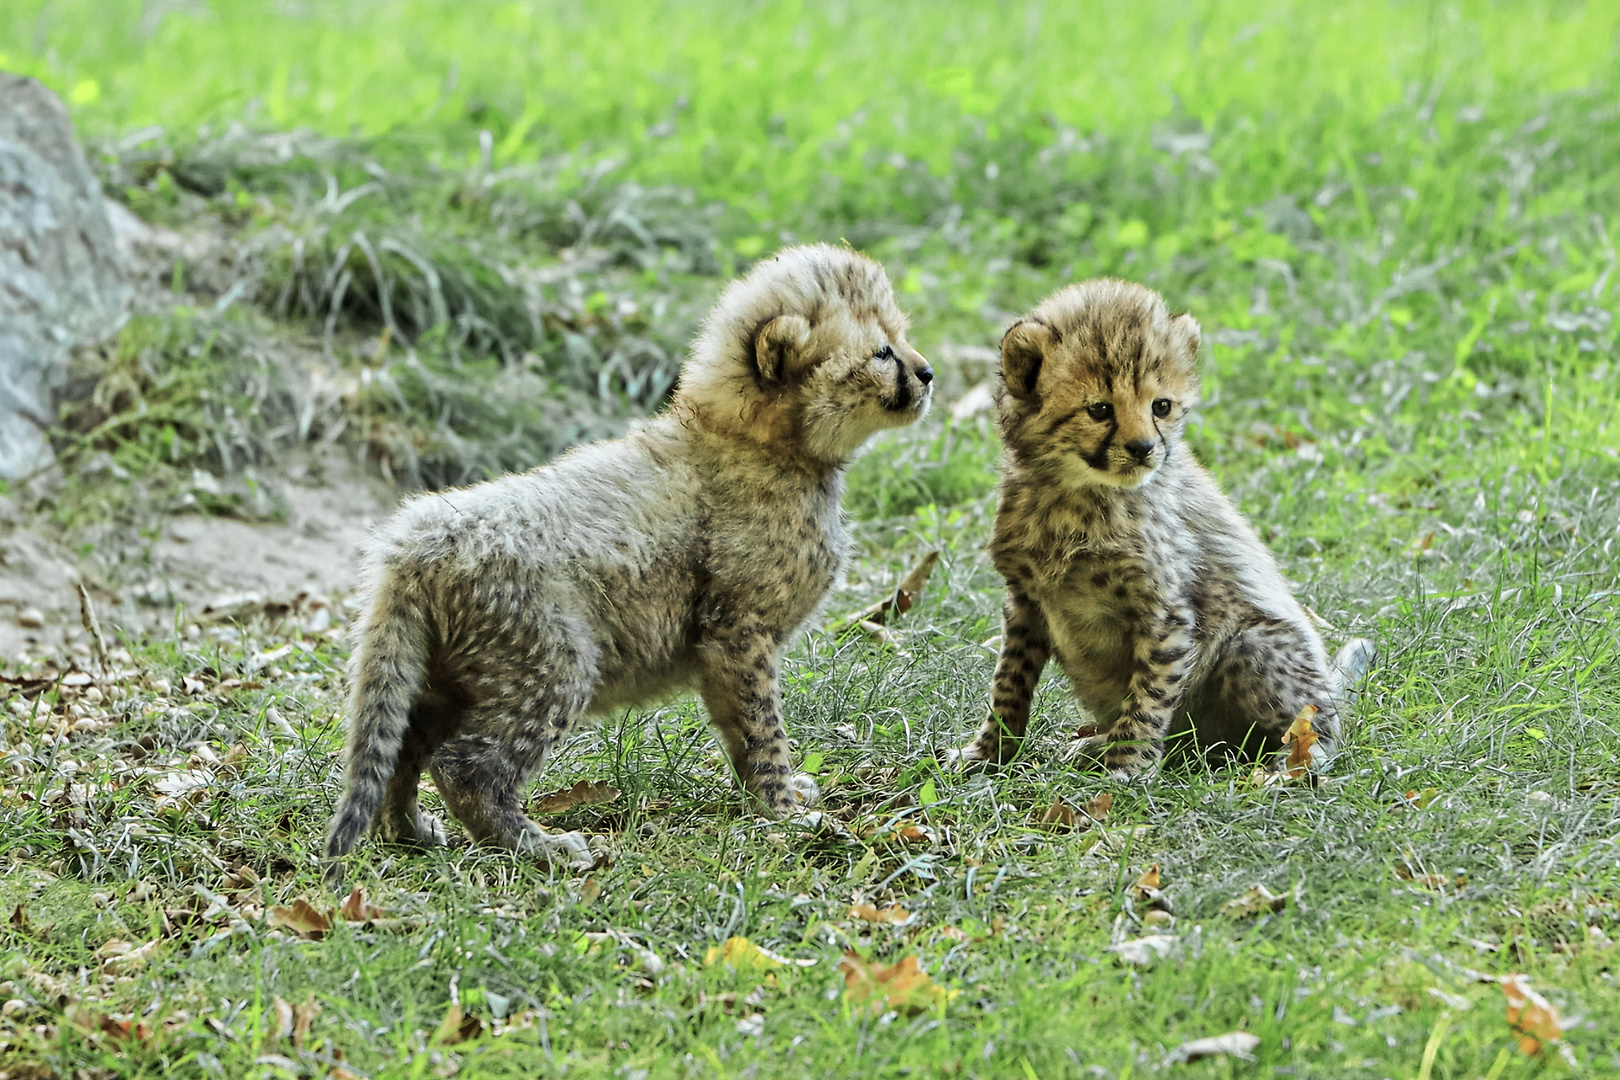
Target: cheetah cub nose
(1141, 448)
(925, 374)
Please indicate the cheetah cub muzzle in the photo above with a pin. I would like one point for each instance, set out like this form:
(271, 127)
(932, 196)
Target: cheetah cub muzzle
(685, 555)
(1125, 563)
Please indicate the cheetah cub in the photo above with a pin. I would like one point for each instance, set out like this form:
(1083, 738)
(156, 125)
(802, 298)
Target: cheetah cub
(684, 555)
(1124, 561)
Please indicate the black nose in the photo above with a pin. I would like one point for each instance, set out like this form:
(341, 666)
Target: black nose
(925, 374)
(1140, 448)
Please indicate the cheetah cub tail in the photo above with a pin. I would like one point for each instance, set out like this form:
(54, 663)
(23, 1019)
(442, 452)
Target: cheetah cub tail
(386, 674)
(1350, 666)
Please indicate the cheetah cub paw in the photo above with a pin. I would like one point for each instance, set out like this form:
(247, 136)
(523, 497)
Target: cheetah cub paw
(1091, 752)
(430, 831)
(980, 755)
(569, 849)
(801, 799)
(803, 792)
(420, 830)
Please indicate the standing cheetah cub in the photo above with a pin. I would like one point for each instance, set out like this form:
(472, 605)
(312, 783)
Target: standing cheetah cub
(684, 555)
(1123, 560)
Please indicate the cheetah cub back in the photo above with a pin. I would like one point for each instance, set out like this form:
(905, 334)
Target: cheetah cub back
(1124, 562)
(685, 555)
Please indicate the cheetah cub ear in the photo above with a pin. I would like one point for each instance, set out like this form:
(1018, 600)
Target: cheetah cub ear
(780, 347)
(1185, 331)
(1023, 349)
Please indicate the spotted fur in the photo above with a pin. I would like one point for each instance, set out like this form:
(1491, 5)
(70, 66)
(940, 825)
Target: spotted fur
(683, 556)
(1124, 561)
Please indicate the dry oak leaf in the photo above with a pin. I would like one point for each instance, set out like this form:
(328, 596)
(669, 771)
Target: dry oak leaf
(904, 831)
(114, 1028)
(905, 597)
(582, 793)
(1299, 738)
(903, 988)
(1253, 902)
(1148, 885)
(893, 914)
(301, 919)
(294, 1021)
(355, 908)
(456, 1027)
(1532, 1017)
(1059, 817)
(1238, 1044)
(874, 620)
(743, 955)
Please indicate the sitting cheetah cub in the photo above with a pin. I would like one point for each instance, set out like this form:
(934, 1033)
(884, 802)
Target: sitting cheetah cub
(1124, 561)
(684, 555)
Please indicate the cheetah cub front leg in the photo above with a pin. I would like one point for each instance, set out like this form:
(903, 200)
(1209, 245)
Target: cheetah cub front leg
(1025, 649)
(1162, 646)
(745, 708)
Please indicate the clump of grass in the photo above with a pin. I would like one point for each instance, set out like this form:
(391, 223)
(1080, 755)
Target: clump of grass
(428, 423)
(505, 263)
(180, 401)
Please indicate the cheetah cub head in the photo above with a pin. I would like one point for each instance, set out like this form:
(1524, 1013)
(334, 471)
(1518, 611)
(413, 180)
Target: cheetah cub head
(1096, 384)
(807, 354)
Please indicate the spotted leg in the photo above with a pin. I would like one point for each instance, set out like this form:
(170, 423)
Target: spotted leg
(1025, 648)
(1161, 657)
(745, 706)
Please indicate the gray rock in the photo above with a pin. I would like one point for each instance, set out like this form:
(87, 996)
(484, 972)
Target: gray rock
(62, 279)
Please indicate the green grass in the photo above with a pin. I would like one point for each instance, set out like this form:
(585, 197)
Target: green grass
(1395, 223)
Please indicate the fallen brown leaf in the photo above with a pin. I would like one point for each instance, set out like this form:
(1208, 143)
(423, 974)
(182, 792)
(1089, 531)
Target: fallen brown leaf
(304, 1015)
(301, 919)
(456, 1027)
(355, 908)
(904, 831)
(1532, 1017)
(1059, 817)
(894, 914)
(582, 793)
(874, 618)
(743, 955)
(1148, 885)
(1299, 738)
(1257, 899)
(1406, 872)
(1097, 809)
(281, 1019)
(903, 988)
(905, 597)
(121, 1030)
